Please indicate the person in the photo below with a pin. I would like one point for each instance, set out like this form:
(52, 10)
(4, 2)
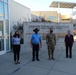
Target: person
(36, 43)
(16, 47)
(69, 40)
(51, 42)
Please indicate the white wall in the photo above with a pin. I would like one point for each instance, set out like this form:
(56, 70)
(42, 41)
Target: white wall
(17, 12)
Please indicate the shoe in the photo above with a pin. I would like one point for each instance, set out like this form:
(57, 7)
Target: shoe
(18, 62)
(49, 58)
(70, 57)
(15, 62)
(33, 60)
(66, 57)
(37, 59)
(53, 58)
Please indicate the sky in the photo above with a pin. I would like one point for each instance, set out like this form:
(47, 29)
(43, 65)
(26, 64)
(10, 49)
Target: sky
(42, 5)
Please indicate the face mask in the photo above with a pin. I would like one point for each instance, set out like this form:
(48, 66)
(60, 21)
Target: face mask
(36, 32)
(51, 31)
(68, 32)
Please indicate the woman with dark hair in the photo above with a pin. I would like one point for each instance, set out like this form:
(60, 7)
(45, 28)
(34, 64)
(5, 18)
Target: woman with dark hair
(16, 47)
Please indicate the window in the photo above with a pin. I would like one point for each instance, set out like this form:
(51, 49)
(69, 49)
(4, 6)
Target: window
(2, 0)
(6, 11)
(1, 36)
(1, 10)
(7, 27)
(6, 1)
(7, 43)
(52, 17)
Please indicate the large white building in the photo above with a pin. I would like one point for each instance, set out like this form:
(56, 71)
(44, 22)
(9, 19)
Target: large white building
(10, 13)
(18, 12)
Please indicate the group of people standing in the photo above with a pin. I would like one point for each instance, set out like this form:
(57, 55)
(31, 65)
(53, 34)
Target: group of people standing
(36, 44)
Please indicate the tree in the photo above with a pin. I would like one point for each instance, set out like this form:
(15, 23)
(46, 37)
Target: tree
(19, 27)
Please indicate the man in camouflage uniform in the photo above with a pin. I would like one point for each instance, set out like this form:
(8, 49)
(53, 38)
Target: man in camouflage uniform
(51, 42)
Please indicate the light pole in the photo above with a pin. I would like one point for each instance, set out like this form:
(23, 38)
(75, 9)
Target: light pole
(58, 12)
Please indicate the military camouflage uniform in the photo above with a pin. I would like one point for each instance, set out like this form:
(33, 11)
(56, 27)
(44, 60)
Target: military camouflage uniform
(51, 42)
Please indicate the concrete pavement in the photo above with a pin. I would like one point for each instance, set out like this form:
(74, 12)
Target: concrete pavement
(60, 66)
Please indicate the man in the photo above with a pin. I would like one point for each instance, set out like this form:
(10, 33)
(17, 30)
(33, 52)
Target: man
(36, 43)
(69, 40)
(51, 42)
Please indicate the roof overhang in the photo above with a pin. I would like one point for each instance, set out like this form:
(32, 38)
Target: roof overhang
(63, 4)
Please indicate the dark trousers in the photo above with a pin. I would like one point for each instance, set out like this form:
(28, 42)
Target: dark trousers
(35, 51)
(69, 50)
(16, 50)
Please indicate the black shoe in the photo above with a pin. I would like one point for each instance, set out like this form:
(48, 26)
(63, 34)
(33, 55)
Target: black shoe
(18, 62)
(53, 58)
(37, 59)
(49, 58)
(70, 57)
(15, 62)
(33, 60)
(66, 57)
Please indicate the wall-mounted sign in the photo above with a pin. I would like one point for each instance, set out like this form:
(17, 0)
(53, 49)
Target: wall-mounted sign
(60, 29)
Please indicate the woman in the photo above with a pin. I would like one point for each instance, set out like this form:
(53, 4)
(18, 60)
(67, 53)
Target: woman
(69, 40)
(16, 47)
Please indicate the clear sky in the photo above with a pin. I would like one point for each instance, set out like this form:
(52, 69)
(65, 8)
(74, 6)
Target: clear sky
(41, 5)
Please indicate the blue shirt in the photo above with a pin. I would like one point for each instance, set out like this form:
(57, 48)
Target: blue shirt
(36, 38)
(15, 41)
